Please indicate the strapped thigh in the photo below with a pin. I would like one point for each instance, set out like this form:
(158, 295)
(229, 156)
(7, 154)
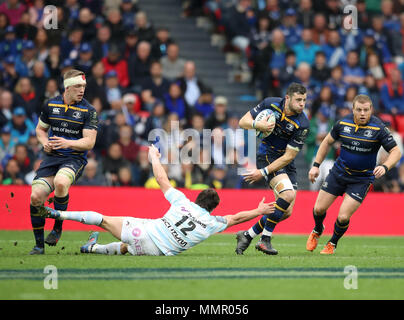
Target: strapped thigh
(282, 185)
(68, 173)
(43, 184)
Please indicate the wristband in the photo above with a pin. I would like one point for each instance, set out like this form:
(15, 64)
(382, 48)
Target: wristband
(264, 172)
(316, 164)
(385, 168)
(253, 124)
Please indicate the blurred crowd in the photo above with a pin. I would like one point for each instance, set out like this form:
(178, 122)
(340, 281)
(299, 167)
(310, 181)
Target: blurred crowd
(138, 81)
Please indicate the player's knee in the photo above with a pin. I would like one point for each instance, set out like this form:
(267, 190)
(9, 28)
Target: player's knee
(342, 218)
(37, 198)
(61, 185)
(288, 195)
(124, 248)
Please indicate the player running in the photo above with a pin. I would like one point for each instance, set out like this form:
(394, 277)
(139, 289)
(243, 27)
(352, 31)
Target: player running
(361, 135)
(67, 129)
(184, 225)
(275, 160)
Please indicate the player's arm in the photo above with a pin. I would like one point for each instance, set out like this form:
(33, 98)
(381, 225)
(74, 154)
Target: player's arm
(392, 159)
(158, 170)
(243, 216)
(247, 122)
(322, 152)
(83, 144)
(41, 131)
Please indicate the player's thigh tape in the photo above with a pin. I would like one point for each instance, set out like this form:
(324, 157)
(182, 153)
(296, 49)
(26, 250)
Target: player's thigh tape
(282, 185)
(68, 173)
(43, 184)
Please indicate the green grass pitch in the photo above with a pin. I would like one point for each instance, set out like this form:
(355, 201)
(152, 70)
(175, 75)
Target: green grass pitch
(209, 271)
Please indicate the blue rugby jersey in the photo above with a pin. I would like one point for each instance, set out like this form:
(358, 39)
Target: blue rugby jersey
(289, 131)
(68, 121)
(360, 145)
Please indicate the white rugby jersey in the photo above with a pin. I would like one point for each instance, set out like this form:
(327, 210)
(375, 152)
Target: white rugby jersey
(184, 225)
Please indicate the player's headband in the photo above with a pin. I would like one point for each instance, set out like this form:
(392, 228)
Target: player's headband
(75, 80)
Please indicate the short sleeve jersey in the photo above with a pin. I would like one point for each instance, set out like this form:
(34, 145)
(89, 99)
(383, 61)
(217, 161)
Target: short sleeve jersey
(360, 145)
(68, 121)
(289, 131)
(184, 225)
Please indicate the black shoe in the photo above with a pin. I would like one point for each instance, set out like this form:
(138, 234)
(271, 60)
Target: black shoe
(242, 242)
(265, 246)
(53, 237)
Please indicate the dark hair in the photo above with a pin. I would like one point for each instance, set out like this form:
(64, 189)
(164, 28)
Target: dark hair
(295, 87)
(208, 199)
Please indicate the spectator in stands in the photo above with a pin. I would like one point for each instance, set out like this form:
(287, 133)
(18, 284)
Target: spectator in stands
(70, 46)
(12, 173)
(333, 50)
(4, 23)
(29, 177)
(337, 85)
(7, 146)
(24, 29)
(131, 107)
(114, 21)
(86, 22)
(160, 43)
(191, 85)
(368, 47)
(124, 178)
(238, 25)
(303, 76)
(85, 62)
(10, 45)
(128, 10)
(320, 70)
(290, 28)
(175, 103)
(306, 49)
(173, 65)
(131, 42)
(26, 97)
(8, 74)
(305, 15)
(156, 83)
(273, 10)
(113, 162)
(41, 44)
(374, 67)
(102, 43)
(114, 62)
(204, 104)
(38, 81)
(112, 88)
(363, 15)
(382, 38)
(142, 170)
(287, 73)
(6, 103)
(371, 89)
(353, 73)
(143, 27)
(320, 30)
(23, 160)
(129, 148)
(351, 93)
(398, 38)
(24, 63)
(220, 115)
(139, 65)
(96, 84)
(155, 120)
(350, 37)
(392, 93)
(13, 9)
(53, 61)
(91, 175)
(20, 126)
(324, 100)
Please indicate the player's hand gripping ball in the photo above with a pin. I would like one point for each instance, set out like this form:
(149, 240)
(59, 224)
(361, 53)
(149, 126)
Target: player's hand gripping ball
(268, 118)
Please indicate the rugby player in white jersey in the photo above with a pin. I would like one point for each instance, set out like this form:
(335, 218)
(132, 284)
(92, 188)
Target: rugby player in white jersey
(184, 225)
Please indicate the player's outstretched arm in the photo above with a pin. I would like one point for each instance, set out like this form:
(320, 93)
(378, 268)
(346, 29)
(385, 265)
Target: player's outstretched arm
(158, 170)
(243, 216)
(322, 152)
(391, 161)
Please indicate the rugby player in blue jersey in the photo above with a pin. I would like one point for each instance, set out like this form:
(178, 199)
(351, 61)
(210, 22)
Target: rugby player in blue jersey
(361, 135)
(67, 130)
(275, 160)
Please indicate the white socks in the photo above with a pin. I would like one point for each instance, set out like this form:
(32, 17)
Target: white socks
(110, 248)
(252, 233)
(86, 217)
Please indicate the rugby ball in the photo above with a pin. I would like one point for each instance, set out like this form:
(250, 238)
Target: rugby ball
(261, 116)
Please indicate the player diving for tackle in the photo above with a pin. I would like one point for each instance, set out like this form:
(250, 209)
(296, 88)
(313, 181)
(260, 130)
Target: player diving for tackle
(275, 160)
(184, 225)
(361, 135)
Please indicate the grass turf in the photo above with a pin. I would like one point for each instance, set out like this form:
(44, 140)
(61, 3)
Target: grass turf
(210, 270)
